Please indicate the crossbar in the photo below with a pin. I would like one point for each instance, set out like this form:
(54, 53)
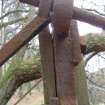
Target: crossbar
(78, 14)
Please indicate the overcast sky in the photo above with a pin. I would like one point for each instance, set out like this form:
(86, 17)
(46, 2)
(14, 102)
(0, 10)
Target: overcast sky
(85, 28)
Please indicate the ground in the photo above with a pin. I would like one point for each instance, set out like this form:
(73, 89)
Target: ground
(36, 98)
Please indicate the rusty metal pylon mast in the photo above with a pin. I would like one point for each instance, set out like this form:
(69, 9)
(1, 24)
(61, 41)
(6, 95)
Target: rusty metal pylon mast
(60, 53)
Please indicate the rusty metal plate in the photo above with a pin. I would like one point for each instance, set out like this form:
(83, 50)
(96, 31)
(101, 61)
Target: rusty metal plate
(65, 73)
(44, 8)
(63, 11)
(67, 56)
(76, 49)
(47, 54)
(22, 38)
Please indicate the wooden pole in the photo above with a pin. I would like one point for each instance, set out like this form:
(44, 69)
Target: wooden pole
(61, 60)
(65, 73)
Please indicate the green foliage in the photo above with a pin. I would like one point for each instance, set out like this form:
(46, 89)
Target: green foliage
(20, 65)
(81, 84)
(95, 40)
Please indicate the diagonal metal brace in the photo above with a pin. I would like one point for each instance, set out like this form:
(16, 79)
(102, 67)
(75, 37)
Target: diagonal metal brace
(22, 38)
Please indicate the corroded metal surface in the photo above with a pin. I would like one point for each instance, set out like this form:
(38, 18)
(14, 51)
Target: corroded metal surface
(47, 54)
(82, 15)
(64, 70)
(63, 11)
(64, 66)
(76, 50)
(58, 55)
(22, 38)
(44, 8)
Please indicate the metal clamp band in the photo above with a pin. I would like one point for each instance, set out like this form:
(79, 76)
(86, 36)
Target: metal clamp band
(63, 10)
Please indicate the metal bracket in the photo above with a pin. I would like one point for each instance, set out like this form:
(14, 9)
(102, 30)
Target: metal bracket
(63, 11)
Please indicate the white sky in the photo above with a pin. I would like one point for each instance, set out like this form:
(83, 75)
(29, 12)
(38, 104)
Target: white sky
(85, 28)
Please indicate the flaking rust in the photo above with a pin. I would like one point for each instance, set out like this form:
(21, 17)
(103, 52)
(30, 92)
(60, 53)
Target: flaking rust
(47, 56)
(63, 11)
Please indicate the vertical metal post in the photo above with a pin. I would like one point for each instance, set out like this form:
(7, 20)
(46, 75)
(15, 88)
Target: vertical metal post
(47, 54)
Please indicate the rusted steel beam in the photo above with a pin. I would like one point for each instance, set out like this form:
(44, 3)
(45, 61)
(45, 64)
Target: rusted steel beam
(64, 70)
(66, 58)
(62, 16)
(91, 18)
(80, 14)
(23, 37)
(47, 60)
(78, 63)
(47, 55)
(76, 49)
(63, 51)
